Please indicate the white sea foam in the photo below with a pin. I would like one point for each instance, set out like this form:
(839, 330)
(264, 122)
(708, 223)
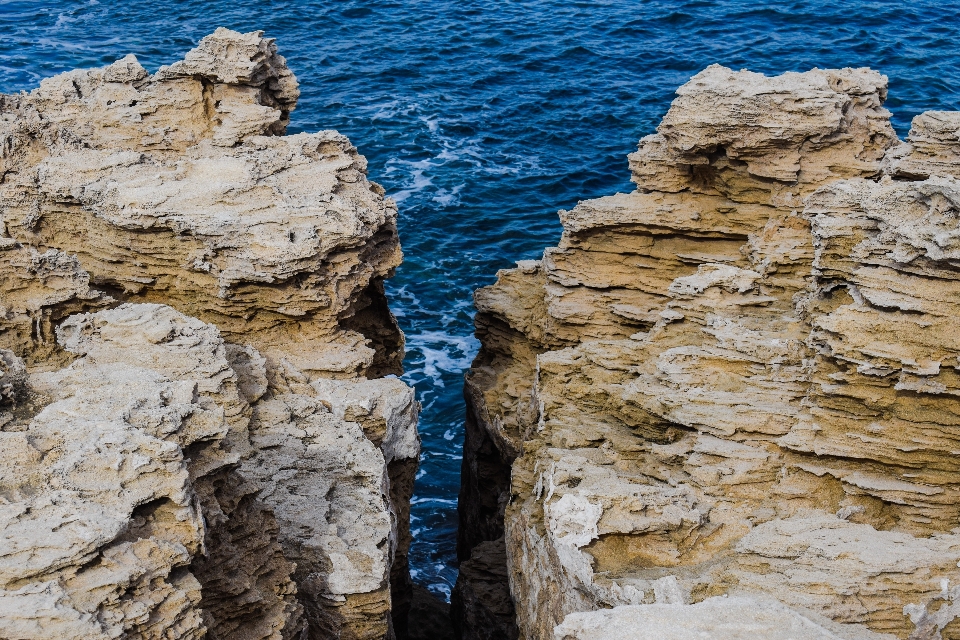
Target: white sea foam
(417, 177)
(448, 198)
(402, 300)
(416, 500)
(455, 353)
(442, 587)
(63, 20)
(417, 180)
(449, 456)
(394, 108)
(433, 354)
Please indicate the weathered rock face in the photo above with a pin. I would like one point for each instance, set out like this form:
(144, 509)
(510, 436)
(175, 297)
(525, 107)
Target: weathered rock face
(737, 383)
(103, 487)
(198, 440)
(722, 618)
(481, 606)
(173, 188)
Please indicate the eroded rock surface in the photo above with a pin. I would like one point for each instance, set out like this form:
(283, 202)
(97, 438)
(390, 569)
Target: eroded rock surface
(719, 618)
(174, 188)
(737, 382)
(198, 437)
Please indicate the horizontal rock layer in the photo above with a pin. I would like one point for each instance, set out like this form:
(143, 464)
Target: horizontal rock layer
(199, 440)
(737, 382)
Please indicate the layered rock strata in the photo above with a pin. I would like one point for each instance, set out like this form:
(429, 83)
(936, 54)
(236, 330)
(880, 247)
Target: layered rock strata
(199, 439)
(726, 403)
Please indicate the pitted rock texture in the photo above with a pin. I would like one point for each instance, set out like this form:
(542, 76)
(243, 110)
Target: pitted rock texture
(719, 618)
(737, 382)
(481, 607)
(199, 440)
(173, 188)
(102, 488)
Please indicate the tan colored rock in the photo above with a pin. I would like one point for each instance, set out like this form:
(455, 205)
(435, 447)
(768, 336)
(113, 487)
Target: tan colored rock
(481, 606)
(324, 479)
(39, 291)
(178, 188)
(205, 293)
(789, 128)
(102, 518)
(736, 381)
(932, 148)
(13, 378)
(330, 487)
(716, 618)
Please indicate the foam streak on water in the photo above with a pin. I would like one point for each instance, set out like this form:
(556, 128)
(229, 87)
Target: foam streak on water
(482, 118)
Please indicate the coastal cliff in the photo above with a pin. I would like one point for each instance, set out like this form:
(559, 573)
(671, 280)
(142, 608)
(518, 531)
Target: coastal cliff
(726, 403)
(201, 429)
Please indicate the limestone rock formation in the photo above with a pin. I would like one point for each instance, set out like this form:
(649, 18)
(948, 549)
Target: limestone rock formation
(481, 606)
(726, 403)
(198, 437)
(718, 618)
(174, 188)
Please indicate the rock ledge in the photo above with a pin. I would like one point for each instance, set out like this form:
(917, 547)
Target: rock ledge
(201, 435)
(726, 404)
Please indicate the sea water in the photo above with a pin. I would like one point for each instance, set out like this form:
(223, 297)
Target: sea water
(483, 118)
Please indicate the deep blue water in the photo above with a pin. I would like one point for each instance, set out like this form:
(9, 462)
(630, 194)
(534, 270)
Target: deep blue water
(482, 118)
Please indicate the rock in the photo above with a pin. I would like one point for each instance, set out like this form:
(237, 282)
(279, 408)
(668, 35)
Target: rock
(724, 404)
(932, 148)
(102, 517)
(247, 586)
(387, 412)
(200, 441)
(39, 291)
(13, 378)
(719, 618)
(481, 602)
(329, 486)
(178, 188)
(429, 616)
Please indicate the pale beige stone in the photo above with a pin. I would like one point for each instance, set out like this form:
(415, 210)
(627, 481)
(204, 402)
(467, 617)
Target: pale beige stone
(726, 618)
(199, 438)
(739, 380)
(101, 519)
(179, 188)
(932, 147)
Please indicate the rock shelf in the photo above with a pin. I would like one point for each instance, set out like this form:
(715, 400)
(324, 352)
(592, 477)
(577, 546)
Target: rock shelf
(199, 434)
(725, 405)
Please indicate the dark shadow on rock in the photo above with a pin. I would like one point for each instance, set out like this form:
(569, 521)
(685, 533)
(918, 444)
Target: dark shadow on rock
(481, 604)
(429, 617)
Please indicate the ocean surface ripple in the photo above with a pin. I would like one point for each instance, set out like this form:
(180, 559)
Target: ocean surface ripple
(483, 118)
